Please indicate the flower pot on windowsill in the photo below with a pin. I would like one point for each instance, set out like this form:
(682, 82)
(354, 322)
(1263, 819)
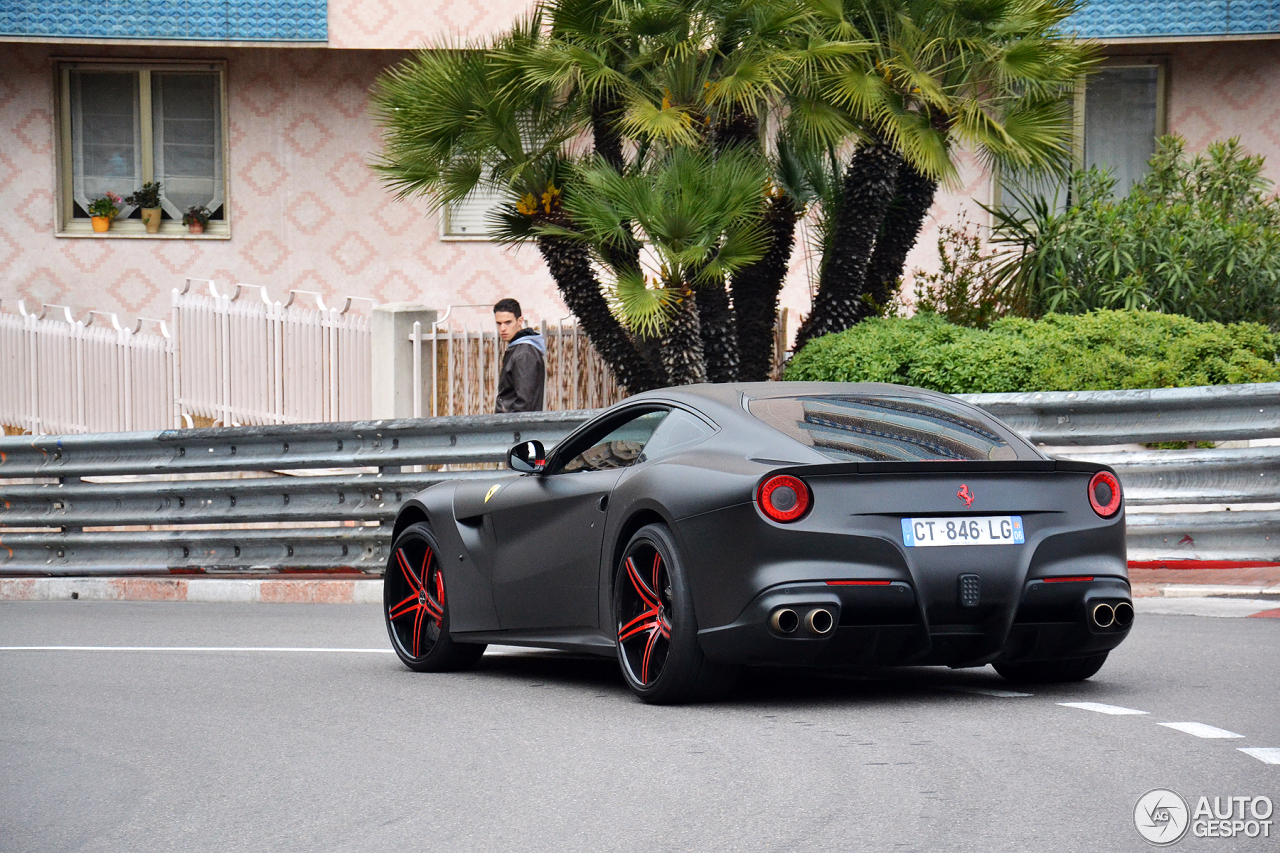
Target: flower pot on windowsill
(101, 223)
(151, 219)
(196, 227)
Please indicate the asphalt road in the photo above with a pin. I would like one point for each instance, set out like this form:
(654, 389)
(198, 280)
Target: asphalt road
(167, 748)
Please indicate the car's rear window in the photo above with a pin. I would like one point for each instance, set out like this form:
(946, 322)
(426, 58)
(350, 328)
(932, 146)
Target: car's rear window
(882, 429)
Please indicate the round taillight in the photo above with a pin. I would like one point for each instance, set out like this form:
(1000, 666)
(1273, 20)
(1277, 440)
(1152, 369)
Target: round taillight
(784, 498)
(1104, 494)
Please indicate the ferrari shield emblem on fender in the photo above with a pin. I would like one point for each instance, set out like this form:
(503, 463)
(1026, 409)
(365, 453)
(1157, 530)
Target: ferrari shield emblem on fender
(491, 492)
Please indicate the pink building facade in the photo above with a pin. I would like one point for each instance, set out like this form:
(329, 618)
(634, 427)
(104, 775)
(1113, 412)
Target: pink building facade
(303, 209)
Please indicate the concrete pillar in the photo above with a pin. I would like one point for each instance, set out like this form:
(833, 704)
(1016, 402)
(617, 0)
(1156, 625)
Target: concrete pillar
(392, 381)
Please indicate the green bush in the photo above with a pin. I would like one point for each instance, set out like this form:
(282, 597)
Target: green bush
(1100, 350)
(1199, 236)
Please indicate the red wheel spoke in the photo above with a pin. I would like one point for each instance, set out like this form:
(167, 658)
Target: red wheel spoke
(657, 565)
(417, 630)
(408, 571)
(630, 629)
(408, 605)
(435, 611)
(440, 589)
(648, 653)
(650, 597)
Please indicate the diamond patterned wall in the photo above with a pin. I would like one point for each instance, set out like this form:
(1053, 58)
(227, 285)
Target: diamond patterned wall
(213, 20)
(1147, 18)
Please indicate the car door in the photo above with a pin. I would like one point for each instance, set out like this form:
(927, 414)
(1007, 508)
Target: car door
(549, 527)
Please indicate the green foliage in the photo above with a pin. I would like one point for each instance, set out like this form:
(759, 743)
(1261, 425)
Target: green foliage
(1199, 236)
(1101, 350)
(698, 214)
(147, 196)
(961, 290)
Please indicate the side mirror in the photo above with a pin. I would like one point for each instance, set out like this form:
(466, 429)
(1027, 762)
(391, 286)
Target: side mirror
(527, 457)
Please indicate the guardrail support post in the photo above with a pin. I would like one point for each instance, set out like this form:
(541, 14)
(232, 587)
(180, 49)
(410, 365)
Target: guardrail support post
(391, 326)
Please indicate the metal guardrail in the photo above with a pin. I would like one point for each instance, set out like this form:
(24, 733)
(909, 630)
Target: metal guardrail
(1206, 413)
(327, 490)
(316, 497)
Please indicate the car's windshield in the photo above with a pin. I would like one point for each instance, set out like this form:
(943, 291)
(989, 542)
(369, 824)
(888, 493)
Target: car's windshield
(865, 428)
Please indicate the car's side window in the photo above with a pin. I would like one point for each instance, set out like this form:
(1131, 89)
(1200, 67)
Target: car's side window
(678, 431)
(619, 448)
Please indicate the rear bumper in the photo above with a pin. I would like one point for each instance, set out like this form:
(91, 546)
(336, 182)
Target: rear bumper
(884, 625)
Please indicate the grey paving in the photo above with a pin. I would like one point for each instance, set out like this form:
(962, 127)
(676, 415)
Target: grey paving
(265, 751)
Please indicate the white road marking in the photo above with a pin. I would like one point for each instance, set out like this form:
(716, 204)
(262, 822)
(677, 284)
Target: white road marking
(1114, 710)
(189, 649)
(985, 691)
(1201, 730)
(1265, 754)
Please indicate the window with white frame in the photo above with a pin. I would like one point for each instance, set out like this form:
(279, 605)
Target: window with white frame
(126, 124)
(468, 219)
(1119, 114)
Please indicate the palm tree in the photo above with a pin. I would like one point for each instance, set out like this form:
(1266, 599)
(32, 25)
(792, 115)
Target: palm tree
(696, 217)
(916, 79)
(452, 126)
(650, 83)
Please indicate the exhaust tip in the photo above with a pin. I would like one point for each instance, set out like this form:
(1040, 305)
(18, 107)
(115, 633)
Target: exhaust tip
(819, 621)
(784, 620)
(1123, 614)
(1103, 615)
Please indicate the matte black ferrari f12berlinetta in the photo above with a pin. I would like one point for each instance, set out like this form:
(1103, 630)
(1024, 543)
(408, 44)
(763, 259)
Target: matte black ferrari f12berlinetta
(692, 531)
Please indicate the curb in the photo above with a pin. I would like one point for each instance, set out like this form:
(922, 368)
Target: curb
(220, 590)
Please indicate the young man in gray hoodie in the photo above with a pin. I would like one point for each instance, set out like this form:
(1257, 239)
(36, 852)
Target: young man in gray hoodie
(524, 373)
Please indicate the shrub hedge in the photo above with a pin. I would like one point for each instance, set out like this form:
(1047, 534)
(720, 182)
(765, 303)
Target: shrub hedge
(1101, 350)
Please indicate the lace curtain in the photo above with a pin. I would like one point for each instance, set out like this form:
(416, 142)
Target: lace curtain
(186, 143)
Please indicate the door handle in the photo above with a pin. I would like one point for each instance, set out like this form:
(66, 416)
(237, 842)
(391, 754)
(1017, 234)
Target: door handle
(603, 503)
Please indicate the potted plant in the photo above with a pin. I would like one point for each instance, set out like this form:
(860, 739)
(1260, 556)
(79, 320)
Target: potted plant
(196, 218)
(104, 209)
(148, 199)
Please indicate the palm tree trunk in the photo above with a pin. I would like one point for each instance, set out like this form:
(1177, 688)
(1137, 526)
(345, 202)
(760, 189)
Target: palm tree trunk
(902, 222)
(570, 266)
(755, 292)
(718, 333)
(868, 189)
(682, 353)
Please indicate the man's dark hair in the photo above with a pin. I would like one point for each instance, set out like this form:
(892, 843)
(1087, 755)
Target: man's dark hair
(508, 304)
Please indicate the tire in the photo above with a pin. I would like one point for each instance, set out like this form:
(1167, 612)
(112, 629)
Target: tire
(416, 609)
(1051, 671)
(657, 631)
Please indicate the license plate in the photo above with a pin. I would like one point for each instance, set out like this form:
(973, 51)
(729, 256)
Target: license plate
(970, 530)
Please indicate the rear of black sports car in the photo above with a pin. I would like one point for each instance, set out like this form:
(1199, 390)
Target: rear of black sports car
(932, 535)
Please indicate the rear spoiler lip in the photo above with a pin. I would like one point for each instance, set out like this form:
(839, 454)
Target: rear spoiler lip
(959, 467)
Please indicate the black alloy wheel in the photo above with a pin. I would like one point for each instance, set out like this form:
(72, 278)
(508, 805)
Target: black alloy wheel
(655, 625)
(416, 608)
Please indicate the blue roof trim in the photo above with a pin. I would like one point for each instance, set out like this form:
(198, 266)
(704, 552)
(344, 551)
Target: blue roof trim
(185, 20)
(1155, 18)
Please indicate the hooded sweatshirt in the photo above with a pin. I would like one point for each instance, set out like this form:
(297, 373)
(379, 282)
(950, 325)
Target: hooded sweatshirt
(524, 373)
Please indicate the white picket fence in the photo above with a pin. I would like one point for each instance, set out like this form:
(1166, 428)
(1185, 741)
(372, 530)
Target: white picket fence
(231, 359)
(259, 361)
(238, 357)
(62, 375)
